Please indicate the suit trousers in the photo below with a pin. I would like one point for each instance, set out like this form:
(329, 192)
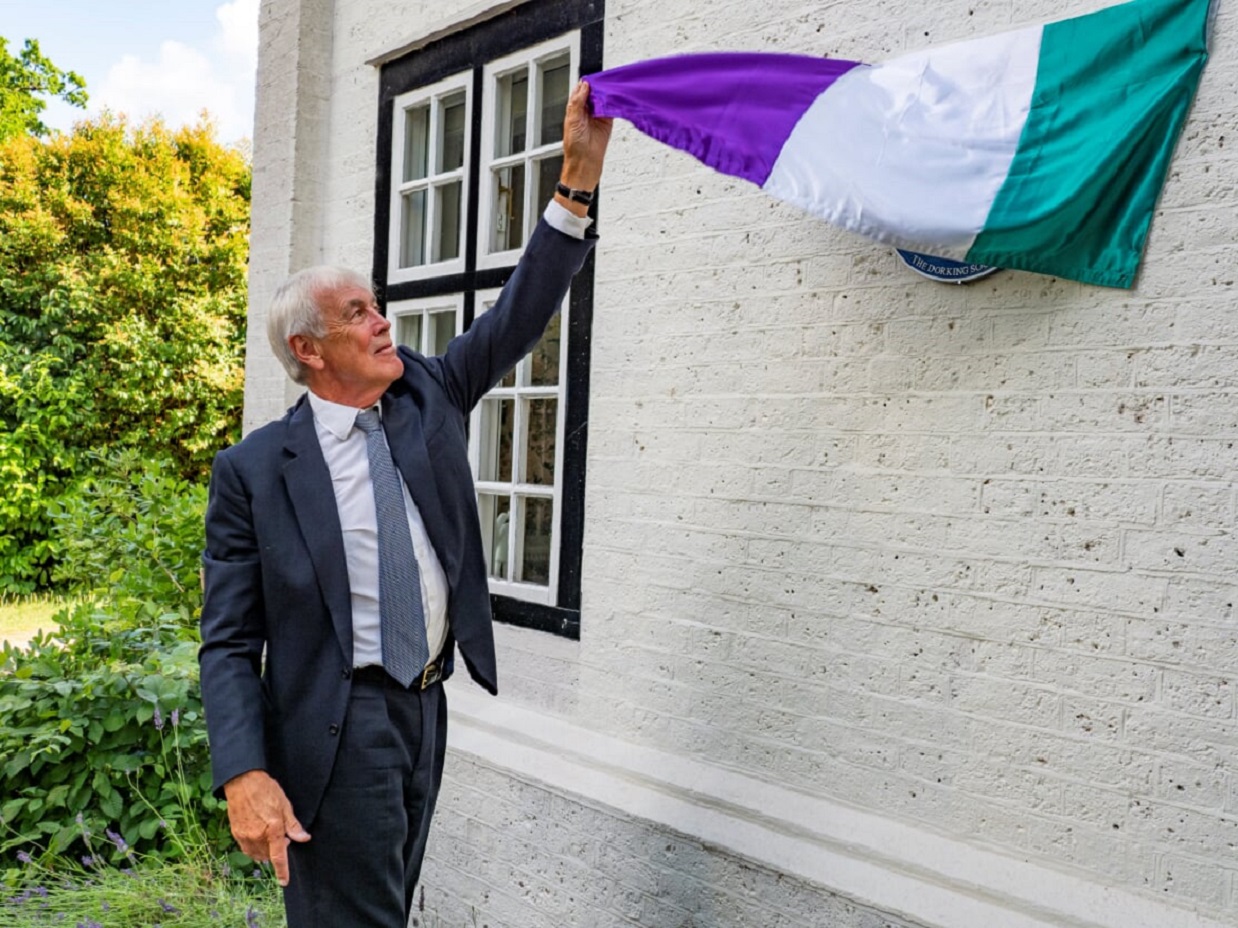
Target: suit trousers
(363, 860)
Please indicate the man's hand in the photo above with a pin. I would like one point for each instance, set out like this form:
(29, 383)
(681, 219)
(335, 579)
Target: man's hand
(262, 820)
(585, 139)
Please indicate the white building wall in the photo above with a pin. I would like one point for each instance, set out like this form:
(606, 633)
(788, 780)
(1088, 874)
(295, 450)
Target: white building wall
(956, 560)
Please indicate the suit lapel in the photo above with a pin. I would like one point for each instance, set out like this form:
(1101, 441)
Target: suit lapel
(308, 482)
(406, 439)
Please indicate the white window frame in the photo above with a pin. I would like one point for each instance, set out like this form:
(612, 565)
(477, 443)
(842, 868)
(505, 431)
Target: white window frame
(532, 58)
(529, 592)
(399, 187)
(453, 302)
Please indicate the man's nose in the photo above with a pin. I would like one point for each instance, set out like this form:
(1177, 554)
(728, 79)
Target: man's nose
(381, 322)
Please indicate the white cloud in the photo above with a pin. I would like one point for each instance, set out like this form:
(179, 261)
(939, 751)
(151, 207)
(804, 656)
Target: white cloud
(239, 20)
(217, 77)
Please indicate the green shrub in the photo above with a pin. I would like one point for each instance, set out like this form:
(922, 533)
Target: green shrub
(87, 711)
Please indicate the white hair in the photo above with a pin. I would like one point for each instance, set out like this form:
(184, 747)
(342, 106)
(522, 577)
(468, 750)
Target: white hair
(295, 310)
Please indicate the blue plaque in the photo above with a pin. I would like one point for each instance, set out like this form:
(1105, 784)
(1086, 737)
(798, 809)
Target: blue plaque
(943, 269)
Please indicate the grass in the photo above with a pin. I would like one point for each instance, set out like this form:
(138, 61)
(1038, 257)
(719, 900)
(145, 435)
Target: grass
(197, 894)
(22, 616)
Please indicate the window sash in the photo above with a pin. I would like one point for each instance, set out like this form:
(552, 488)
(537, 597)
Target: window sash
(429, 198)
(424, 317)
(515, 184)
(513, 486)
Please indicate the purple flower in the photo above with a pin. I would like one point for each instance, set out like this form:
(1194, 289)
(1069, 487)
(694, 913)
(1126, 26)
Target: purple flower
(118, 840)
(168, 907)
(176, 717)
(158, 719)
(23, 857)
(251, 918)
(87, 860)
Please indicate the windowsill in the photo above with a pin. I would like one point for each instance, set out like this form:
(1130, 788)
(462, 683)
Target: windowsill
(889, 865)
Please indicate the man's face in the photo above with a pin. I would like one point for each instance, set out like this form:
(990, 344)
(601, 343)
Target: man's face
(358, 358)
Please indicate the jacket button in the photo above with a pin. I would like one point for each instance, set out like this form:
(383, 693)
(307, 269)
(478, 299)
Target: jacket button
(347, 673)
(334, 729)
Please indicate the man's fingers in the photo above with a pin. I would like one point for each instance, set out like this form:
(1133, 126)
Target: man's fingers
(279, 859)
(293, 829)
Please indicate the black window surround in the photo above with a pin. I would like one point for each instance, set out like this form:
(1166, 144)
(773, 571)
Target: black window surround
(471, 49)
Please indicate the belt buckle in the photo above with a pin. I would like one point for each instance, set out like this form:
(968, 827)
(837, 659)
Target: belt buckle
(431, 675)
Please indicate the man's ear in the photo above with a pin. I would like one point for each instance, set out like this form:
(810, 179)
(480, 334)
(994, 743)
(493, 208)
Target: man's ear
(306, 351)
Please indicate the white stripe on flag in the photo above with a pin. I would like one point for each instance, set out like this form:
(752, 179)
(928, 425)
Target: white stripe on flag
(912, 152)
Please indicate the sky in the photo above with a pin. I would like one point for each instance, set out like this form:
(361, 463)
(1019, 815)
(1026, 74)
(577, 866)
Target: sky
(173, 58)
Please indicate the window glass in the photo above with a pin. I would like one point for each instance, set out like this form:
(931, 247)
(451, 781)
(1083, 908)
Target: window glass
(451, 148)
(416, 142)
(540, 433)
(497, 425)
(555, 90)
(537, 519)
(413, 229)
(447, 213)
(495, 513)
(443, 330)
(513, 111)
(508, 232)
(408, 330)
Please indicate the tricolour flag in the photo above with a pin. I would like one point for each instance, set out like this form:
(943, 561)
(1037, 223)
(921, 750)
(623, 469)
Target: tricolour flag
(1042, 149)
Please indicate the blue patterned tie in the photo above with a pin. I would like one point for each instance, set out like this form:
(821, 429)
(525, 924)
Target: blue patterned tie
(401, 615)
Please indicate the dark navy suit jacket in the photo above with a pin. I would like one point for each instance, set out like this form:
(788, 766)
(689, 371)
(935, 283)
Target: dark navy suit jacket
(276, 655)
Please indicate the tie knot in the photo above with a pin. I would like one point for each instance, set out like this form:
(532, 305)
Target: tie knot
(367, 420)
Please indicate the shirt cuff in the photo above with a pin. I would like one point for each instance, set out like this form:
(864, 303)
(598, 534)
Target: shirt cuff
(559, 217)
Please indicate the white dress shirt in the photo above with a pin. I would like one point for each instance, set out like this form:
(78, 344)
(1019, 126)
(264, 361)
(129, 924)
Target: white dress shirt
(343, 446)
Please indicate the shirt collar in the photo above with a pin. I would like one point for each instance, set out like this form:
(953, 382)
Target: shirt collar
(336, 418)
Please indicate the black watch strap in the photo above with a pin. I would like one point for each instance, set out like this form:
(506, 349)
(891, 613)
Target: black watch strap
(576, 196)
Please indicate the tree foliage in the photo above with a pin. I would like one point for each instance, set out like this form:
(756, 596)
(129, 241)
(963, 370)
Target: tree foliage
(122, 311)
(24, 80)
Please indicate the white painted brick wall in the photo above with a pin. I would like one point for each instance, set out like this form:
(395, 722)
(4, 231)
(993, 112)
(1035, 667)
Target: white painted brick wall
(959, 555)
(964, 554)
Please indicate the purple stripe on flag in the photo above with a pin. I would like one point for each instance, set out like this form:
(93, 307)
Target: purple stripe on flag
(731, 110)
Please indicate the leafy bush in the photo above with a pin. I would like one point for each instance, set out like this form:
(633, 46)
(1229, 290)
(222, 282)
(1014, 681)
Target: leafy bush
(123, 256)
(87, 711)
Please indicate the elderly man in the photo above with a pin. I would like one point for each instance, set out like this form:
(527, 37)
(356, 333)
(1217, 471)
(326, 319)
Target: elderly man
(344, 564)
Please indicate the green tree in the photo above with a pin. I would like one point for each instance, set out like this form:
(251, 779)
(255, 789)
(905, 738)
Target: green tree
(122, 313)
(24, 80)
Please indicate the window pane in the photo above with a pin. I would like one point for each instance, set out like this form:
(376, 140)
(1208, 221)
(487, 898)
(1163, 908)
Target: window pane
(512, 117)
(447, 218)
(539, 457)
(536, 515)
(495, 512)
(413, 229)
(508, 230)
(451, 143)
(442, 330)
(544, 362)
(408, 330)
(554, 101)
(496, 440)
(416, 142)
(548, 171)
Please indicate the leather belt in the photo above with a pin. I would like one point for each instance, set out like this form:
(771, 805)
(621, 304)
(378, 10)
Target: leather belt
(375, 674)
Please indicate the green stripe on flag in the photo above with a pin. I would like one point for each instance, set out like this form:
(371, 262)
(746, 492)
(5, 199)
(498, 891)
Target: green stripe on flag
(1112, 92)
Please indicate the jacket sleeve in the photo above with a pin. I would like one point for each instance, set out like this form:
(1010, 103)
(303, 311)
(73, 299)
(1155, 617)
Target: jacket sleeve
(498, 338)
(233, 629)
